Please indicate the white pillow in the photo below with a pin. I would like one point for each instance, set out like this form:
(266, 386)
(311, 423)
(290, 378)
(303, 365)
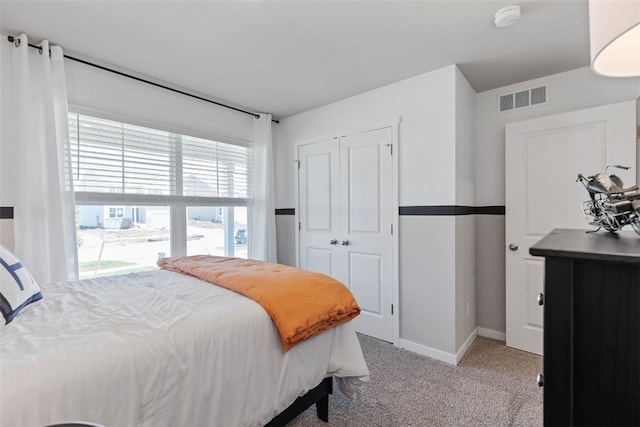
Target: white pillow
(17, 287)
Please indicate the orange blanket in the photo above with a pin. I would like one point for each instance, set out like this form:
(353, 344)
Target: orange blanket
(301, 303)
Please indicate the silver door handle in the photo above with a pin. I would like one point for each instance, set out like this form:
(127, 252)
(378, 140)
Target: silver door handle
(513, 247)
(540, 299)
(345, 243)
(333, 242)
(540, 380)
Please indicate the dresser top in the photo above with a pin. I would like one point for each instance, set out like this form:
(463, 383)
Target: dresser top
(623, 246)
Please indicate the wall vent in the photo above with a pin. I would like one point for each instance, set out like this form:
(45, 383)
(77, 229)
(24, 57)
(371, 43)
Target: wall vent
(506, 102)
(522, 99)
(539, 95)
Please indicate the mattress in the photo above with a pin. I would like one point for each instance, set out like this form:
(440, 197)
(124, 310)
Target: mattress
(159, 348)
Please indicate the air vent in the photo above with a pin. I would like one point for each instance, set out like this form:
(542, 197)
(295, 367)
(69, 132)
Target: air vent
(506, 102)
(523, 99)
(539, 95)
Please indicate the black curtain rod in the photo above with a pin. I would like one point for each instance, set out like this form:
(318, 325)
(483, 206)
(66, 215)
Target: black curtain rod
(11, 39)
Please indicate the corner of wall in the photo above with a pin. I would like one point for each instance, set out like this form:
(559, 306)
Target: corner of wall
(465, 226)
(466, 345)
(431, 352)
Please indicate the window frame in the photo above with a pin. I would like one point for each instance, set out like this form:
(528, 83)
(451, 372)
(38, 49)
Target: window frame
(177, 203)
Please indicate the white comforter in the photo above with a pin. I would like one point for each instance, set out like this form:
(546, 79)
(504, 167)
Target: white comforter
(159, 348)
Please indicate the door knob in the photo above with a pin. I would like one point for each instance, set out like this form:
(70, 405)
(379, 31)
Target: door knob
(540, 380)
(333, 242)
(345, 243)
(513, 247)
(540, 299)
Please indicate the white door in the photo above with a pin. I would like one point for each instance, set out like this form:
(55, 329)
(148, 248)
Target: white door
(346, 211)
(543, 158)
(319, 199)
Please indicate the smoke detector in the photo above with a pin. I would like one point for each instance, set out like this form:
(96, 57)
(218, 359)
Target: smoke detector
(507, 16)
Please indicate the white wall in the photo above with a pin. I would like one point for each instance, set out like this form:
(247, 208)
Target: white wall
(286, 234)
(432, 171)
(425, 104)
(465, 149)
(568, 91)
(99, 90)
(465, 225)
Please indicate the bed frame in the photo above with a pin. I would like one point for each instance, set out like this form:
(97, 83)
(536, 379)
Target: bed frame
(318, 395)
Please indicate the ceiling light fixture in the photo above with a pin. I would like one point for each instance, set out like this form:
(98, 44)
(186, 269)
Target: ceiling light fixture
(614, 31)
(507, 16)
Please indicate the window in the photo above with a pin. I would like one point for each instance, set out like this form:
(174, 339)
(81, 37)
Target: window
(145, 193)
(213, 230)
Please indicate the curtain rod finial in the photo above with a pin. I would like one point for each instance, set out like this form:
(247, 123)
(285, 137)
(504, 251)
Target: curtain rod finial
(14, 40)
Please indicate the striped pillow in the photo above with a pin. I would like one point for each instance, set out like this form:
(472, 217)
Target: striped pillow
(17, 287)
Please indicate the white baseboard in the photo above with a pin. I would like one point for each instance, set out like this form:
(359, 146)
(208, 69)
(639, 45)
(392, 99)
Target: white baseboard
(466, 345)
(427, 351)
(450, 358)
(490, 333)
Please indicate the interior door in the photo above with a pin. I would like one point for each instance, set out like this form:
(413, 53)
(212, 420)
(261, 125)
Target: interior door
(345, 212)
(366, 190)
(543, 158)
(319, 214)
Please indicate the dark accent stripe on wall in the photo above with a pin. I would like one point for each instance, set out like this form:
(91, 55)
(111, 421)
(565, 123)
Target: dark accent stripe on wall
(451, 210)
(490, 210)
(286, 211)
(440, 210)
(6, 212)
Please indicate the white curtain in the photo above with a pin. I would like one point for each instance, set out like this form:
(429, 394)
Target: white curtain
(36, 144)
(262, 225)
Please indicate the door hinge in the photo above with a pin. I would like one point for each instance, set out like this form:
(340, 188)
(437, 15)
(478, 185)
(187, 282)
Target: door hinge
(392, 229)
(391, 308)
(390, 148)
(299, 226)
(298, 162)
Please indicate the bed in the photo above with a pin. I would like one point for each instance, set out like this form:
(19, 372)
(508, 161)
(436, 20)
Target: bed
(163, 348)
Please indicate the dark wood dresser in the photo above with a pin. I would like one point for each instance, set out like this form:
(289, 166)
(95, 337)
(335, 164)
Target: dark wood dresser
(591, 328)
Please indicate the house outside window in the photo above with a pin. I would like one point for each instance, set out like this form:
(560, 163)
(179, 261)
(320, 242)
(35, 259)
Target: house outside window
(143, 193)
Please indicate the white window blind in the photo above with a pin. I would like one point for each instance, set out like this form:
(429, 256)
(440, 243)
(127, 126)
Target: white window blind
(113, 160)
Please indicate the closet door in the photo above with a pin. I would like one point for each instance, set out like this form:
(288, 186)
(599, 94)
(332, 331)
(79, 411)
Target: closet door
(366, 241)
(346, 215)
(319, 213)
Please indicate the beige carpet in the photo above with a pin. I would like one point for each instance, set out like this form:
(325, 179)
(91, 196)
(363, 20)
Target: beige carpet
(493, 386)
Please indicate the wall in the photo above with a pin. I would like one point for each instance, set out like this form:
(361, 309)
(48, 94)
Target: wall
(286, 234)
(465, 225)
(425, 104)
(94, 89)
(569, 91)
(431, 172)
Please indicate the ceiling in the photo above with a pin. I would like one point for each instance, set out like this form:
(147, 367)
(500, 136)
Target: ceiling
(285, 57)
